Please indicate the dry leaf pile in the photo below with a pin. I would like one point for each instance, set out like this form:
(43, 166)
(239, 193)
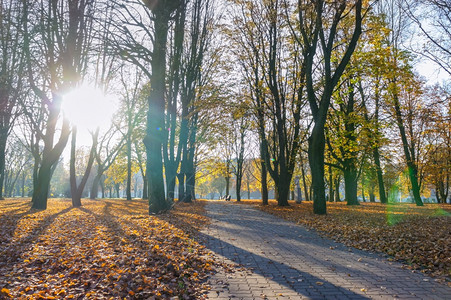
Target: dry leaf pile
(107, 248)
(418, 236)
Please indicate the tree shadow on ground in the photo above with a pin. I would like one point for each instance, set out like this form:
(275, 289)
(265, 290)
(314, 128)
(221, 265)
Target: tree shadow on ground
(291, 278)
(128, 234)
(283, 235)
(11, 249)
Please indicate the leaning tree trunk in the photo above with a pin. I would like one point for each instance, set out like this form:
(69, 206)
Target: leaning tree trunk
(410, 158)
(77, 190)
(304, 181)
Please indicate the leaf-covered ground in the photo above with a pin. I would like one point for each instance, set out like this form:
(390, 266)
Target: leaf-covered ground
(417, 236)
(107, 248)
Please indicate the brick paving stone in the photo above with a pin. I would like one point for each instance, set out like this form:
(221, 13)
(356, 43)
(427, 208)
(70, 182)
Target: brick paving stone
(277, 259)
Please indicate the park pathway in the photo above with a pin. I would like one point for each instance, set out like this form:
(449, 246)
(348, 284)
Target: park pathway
(282, 260)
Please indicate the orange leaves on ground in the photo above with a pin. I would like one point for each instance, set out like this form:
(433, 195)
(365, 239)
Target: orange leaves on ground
(418, 236)
(104, 249)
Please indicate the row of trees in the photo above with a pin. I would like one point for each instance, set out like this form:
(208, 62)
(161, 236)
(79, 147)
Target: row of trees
(59, 45)
(314, 82)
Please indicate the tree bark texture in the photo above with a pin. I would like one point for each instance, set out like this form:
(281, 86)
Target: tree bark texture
(316, 148)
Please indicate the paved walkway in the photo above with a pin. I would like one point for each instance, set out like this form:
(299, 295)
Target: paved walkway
(282, 260)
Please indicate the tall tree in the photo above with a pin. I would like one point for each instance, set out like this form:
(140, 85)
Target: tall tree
(11, 70)
(16, 161)
(199, 66)
(162, 12)
(401, 83)
(371, 67)
(321, 29)
(406, 88)
(56, 46)
(274, 72)
(171, 155)
(438, 135)
(345, 139)
(132, 114)
(240, 133)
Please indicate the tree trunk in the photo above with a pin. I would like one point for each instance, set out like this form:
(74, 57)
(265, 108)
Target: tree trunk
(23, 184)
(3, 138)
(316, 159)
(350, 177)
(248, 189)
(170, 183)
(331, 185)
(380, 178)
(190, 191)
(264, 183)
(337, 189)
(410, 157)
(298, 190)
(372, 196)
(238, 188)
(181, 178)
(117, 189)
(102, 187)
(42, 184)
(128, 189)
(77, 191)
(155, 115)
(95, 186)
(330, 81)
(145, 188)
(363, 193)
(227, 180)
(76, 198)
(13, 183)
(441, 191)
(282, 193)
(304, 181)
(171, 153)
(188, 165)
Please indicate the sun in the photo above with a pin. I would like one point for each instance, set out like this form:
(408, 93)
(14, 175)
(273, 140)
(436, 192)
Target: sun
(88, 107)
